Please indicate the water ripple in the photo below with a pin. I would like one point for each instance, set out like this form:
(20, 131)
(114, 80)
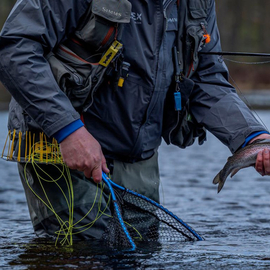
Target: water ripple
(235, 223)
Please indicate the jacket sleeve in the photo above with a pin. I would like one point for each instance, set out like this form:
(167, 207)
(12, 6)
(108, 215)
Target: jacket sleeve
(34, 28)
(214, 102)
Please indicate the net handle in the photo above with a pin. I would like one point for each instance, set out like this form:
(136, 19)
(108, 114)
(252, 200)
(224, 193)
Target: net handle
(108, 182)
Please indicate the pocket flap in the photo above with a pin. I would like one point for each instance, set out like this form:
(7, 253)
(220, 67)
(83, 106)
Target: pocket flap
(199, 8)
(113, 10)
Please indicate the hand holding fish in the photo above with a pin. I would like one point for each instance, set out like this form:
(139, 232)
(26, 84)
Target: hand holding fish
(262, 165)
(256, 153)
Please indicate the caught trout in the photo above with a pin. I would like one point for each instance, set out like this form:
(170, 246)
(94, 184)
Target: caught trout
(242, 158)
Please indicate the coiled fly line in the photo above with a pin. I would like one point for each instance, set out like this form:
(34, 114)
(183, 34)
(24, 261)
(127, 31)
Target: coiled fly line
(38, 152)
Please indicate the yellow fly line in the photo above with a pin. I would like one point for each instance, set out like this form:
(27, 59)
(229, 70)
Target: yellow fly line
(36, 149)
(66, 227)
(31, 146)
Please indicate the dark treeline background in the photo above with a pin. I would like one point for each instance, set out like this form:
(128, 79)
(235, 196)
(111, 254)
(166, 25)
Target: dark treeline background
(244, 26)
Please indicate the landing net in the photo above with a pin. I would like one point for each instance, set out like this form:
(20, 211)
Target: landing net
(131, 217)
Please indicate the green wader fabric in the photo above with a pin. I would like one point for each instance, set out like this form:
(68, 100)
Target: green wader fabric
(142, 177)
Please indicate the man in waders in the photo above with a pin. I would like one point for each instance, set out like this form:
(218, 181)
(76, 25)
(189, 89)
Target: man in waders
(107, 80)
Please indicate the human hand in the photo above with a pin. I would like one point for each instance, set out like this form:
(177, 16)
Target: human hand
(262, 165)
(82, 152)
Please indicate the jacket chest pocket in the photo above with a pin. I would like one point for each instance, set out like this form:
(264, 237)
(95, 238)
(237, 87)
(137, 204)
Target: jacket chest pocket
(100, 25)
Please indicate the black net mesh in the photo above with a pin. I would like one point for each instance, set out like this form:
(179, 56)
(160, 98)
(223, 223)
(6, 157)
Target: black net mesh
(114, 234)
(146, 221)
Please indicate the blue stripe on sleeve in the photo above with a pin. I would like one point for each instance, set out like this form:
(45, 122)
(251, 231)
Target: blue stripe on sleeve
(253, 135)
(67, 130)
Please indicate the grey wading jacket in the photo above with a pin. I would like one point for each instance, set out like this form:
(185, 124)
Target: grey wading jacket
(130, 121)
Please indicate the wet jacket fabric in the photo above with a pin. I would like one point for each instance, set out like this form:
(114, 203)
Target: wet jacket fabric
(128, 122)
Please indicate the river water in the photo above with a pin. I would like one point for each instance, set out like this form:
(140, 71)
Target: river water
(235, 223)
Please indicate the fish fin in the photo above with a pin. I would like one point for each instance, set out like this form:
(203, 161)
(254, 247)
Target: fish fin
(235, 171)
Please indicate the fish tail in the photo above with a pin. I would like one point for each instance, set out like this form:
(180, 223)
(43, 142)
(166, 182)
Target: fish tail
(220, 186)
(219, 181)
(216, 179)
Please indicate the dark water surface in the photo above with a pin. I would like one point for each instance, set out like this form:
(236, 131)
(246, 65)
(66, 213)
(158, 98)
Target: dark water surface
(235, 223)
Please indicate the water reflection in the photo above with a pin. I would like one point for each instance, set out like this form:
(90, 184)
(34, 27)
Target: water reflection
(235, 222)
(42, 254)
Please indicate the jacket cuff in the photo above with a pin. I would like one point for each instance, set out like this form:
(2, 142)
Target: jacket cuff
(253, 135)
(67, 130)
